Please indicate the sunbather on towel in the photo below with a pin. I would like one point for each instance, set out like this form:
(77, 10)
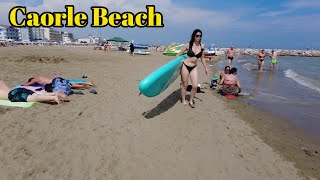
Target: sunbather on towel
(57, 84)
(25, 95)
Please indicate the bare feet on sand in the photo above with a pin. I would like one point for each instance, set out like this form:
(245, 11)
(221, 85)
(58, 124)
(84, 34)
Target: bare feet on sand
(63, 96)
(191, 104)
(57, 99)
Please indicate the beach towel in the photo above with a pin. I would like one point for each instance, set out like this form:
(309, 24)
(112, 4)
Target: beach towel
(16, 104)
(77, 80)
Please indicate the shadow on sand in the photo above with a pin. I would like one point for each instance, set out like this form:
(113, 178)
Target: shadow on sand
(164, 106)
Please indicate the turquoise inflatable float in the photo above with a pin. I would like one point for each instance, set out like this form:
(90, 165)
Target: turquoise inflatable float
(162, 78)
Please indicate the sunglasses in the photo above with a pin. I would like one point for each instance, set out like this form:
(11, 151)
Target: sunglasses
(198, 35)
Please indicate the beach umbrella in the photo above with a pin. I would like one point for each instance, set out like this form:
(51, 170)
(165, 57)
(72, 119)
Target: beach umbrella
(117, 39)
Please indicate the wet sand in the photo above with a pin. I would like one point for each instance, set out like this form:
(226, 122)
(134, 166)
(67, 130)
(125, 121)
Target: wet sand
(117, 134)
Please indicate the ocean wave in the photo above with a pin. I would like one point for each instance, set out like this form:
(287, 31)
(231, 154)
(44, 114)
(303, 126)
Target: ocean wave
(249, 66)
(242, 61)
(266, 97)
(303, 80)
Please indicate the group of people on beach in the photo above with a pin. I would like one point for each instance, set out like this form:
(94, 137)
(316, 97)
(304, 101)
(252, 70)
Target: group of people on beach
(261, 57)
(41, 89)
(195, 51)
(230, 54)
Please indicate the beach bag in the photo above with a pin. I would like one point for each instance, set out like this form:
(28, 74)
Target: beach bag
(62, 85)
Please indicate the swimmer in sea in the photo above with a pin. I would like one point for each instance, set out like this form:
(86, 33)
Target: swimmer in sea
(229, 55)
(274, 60)
(260, 56)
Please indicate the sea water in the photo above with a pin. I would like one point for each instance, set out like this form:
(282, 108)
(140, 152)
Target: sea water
(291, 91)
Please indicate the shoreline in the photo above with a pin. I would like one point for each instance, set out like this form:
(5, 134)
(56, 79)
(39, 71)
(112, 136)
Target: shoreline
(281, 52)
(292, 142)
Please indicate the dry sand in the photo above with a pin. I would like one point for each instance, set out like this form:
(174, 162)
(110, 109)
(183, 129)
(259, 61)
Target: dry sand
(119, 135)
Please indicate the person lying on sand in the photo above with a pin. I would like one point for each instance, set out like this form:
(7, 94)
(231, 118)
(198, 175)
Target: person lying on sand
(230, 82)
(26, 95)
(57, 84)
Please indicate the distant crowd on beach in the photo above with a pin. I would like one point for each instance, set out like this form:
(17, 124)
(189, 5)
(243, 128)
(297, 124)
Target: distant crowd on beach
(229, 83)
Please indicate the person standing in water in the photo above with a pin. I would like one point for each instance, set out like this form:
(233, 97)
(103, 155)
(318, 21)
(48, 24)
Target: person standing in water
(230, 54)
(189, 66)
(260, 56)
(274, 61)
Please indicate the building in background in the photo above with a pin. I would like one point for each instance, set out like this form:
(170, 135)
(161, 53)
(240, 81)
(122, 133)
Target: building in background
(13, 33)
(46, 34)
(67, 37)
(24, 35)
(40, 34)
(55, 35)
(37, 34)
(89, 40)
(9, 32)
(3, 32)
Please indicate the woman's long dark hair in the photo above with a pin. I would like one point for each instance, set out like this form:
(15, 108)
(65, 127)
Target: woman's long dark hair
(193, 36)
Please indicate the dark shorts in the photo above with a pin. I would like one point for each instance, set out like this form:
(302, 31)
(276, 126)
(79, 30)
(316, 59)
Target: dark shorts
(62, 85)
(19, 95)
(231, 58)
(226, 90)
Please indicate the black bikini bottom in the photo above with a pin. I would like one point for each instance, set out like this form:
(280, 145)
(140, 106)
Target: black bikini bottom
(189, 68)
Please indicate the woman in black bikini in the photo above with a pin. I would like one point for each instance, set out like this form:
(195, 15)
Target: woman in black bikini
(189, 65)
(260, 56)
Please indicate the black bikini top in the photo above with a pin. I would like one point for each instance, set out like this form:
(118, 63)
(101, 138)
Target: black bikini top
(191, 53)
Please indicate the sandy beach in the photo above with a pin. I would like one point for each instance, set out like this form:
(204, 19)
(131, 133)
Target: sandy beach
(117, 134)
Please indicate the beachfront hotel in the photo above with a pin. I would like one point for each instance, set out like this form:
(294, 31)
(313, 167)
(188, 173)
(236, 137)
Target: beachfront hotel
(34, 34)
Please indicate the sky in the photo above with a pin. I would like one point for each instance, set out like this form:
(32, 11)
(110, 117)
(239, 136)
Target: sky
(285, 24)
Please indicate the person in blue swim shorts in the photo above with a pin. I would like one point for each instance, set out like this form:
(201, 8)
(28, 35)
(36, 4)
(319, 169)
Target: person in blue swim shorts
(25, 95)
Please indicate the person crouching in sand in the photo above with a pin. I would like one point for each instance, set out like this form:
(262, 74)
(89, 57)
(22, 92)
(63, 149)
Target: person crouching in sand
(189, 65)
(26, 95)
(230, 82)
